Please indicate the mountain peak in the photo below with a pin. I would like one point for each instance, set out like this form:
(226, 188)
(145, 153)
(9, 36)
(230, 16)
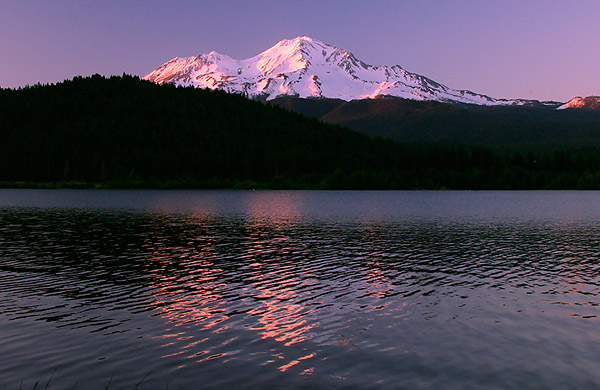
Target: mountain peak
(303, 46)
(302, 38)
(306, 67)
(589, 103)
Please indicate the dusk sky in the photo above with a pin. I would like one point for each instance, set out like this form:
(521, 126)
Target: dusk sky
(534, 49)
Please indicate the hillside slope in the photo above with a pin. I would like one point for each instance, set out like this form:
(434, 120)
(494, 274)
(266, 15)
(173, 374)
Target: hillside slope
(94, 129)
(412, 121)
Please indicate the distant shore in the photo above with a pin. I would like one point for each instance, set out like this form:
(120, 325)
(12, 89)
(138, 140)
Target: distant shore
(241, 185)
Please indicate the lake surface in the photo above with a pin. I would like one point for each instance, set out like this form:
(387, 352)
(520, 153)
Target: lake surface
(299, 289)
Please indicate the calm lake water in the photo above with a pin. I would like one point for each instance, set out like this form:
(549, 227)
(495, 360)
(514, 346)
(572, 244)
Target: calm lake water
(299, 289)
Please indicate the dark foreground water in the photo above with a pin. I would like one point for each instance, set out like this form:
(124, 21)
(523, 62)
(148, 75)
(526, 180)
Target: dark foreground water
(224, 289)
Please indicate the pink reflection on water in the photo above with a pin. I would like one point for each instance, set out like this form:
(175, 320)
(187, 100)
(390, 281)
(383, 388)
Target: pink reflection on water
(195, 299)
(378, 282)
(199, 299)
(278, 317)
(194, 293)
(576, 288)
(285, 367)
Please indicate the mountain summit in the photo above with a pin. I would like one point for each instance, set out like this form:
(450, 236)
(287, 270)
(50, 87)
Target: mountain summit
(305, 68)
(588, 103)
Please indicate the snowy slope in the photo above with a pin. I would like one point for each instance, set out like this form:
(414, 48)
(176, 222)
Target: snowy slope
(305, 68)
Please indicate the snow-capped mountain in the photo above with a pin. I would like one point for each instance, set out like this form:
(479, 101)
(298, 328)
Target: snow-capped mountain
(590, 103)
(307, 68)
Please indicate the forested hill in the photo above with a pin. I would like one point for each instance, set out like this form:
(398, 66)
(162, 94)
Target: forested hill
(122, 128)
(126, 132)
(532, 126)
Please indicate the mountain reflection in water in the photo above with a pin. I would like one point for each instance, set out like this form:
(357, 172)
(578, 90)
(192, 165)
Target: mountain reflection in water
(268, 292)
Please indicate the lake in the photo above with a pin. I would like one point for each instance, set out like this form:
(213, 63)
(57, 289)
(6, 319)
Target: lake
(299, 289)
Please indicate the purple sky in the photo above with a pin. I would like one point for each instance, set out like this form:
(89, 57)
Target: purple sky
(535, 49)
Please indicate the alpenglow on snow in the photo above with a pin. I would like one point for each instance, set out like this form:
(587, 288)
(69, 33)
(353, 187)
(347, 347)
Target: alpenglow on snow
(307, 68)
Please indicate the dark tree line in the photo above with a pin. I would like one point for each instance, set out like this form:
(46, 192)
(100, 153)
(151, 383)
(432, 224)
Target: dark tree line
(126, 132)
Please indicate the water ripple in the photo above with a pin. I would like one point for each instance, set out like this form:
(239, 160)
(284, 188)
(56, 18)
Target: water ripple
(295, 294)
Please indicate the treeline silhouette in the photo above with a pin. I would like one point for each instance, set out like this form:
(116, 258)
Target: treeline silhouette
(128, 133)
